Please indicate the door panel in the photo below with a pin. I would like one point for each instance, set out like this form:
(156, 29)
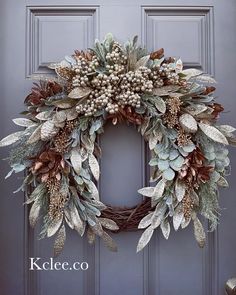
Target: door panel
(34, 33)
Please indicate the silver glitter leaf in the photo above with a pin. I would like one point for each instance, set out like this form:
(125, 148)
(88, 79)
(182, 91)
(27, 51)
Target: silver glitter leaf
(12, 138)
(222, 182)
(90, 236)
(142, 62)
(65, 103)
(199, 232)
(109, 242)
(108, 223)
(180, 189)
(71, 114)
(76, 160)
(43, 116)
(78, 223)
(146, 221)
(213, 133)
(152, 141)
(59, 241)
(165, 90)
(94, 166)
(205, 79)
(54, 225)
(159, 189)
(185, 222)
(59, 117)
(145, 238)
(196, 109)
(34, 213)
(158, 215)
(188, 123)
(178, 217)
(191, 73)
(23, 122)
(48, 130)
(226, 128)
(80, 92)
(35, 136)
(165, 228)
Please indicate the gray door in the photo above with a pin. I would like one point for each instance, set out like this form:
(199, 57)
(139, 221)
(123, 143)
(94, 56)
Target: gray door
(36, 32)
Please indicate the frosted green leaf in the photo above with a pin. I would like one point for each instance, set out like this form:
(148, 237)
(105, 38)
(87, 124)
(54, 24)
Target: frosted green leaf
(145, 238)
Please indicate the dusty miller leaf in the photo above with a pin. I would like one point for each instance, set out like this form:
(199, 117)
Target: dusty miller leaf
(160, 105)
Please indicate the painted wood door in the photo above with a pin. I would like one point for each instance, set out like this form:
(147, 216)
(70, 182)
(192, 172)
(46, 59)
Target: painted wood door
(36, 32)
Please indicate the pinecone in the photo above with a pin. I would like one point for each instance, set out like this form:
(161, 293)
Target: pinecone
(194, 170)
(42, 91)
(49, 164)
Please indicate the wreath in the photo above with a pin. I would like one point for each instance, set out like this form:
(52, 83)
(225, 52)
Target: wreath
(173, 109)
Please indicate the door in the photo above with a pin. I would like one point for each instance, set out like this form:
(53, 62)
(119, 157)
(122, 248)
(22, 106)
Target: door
(37, 32)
